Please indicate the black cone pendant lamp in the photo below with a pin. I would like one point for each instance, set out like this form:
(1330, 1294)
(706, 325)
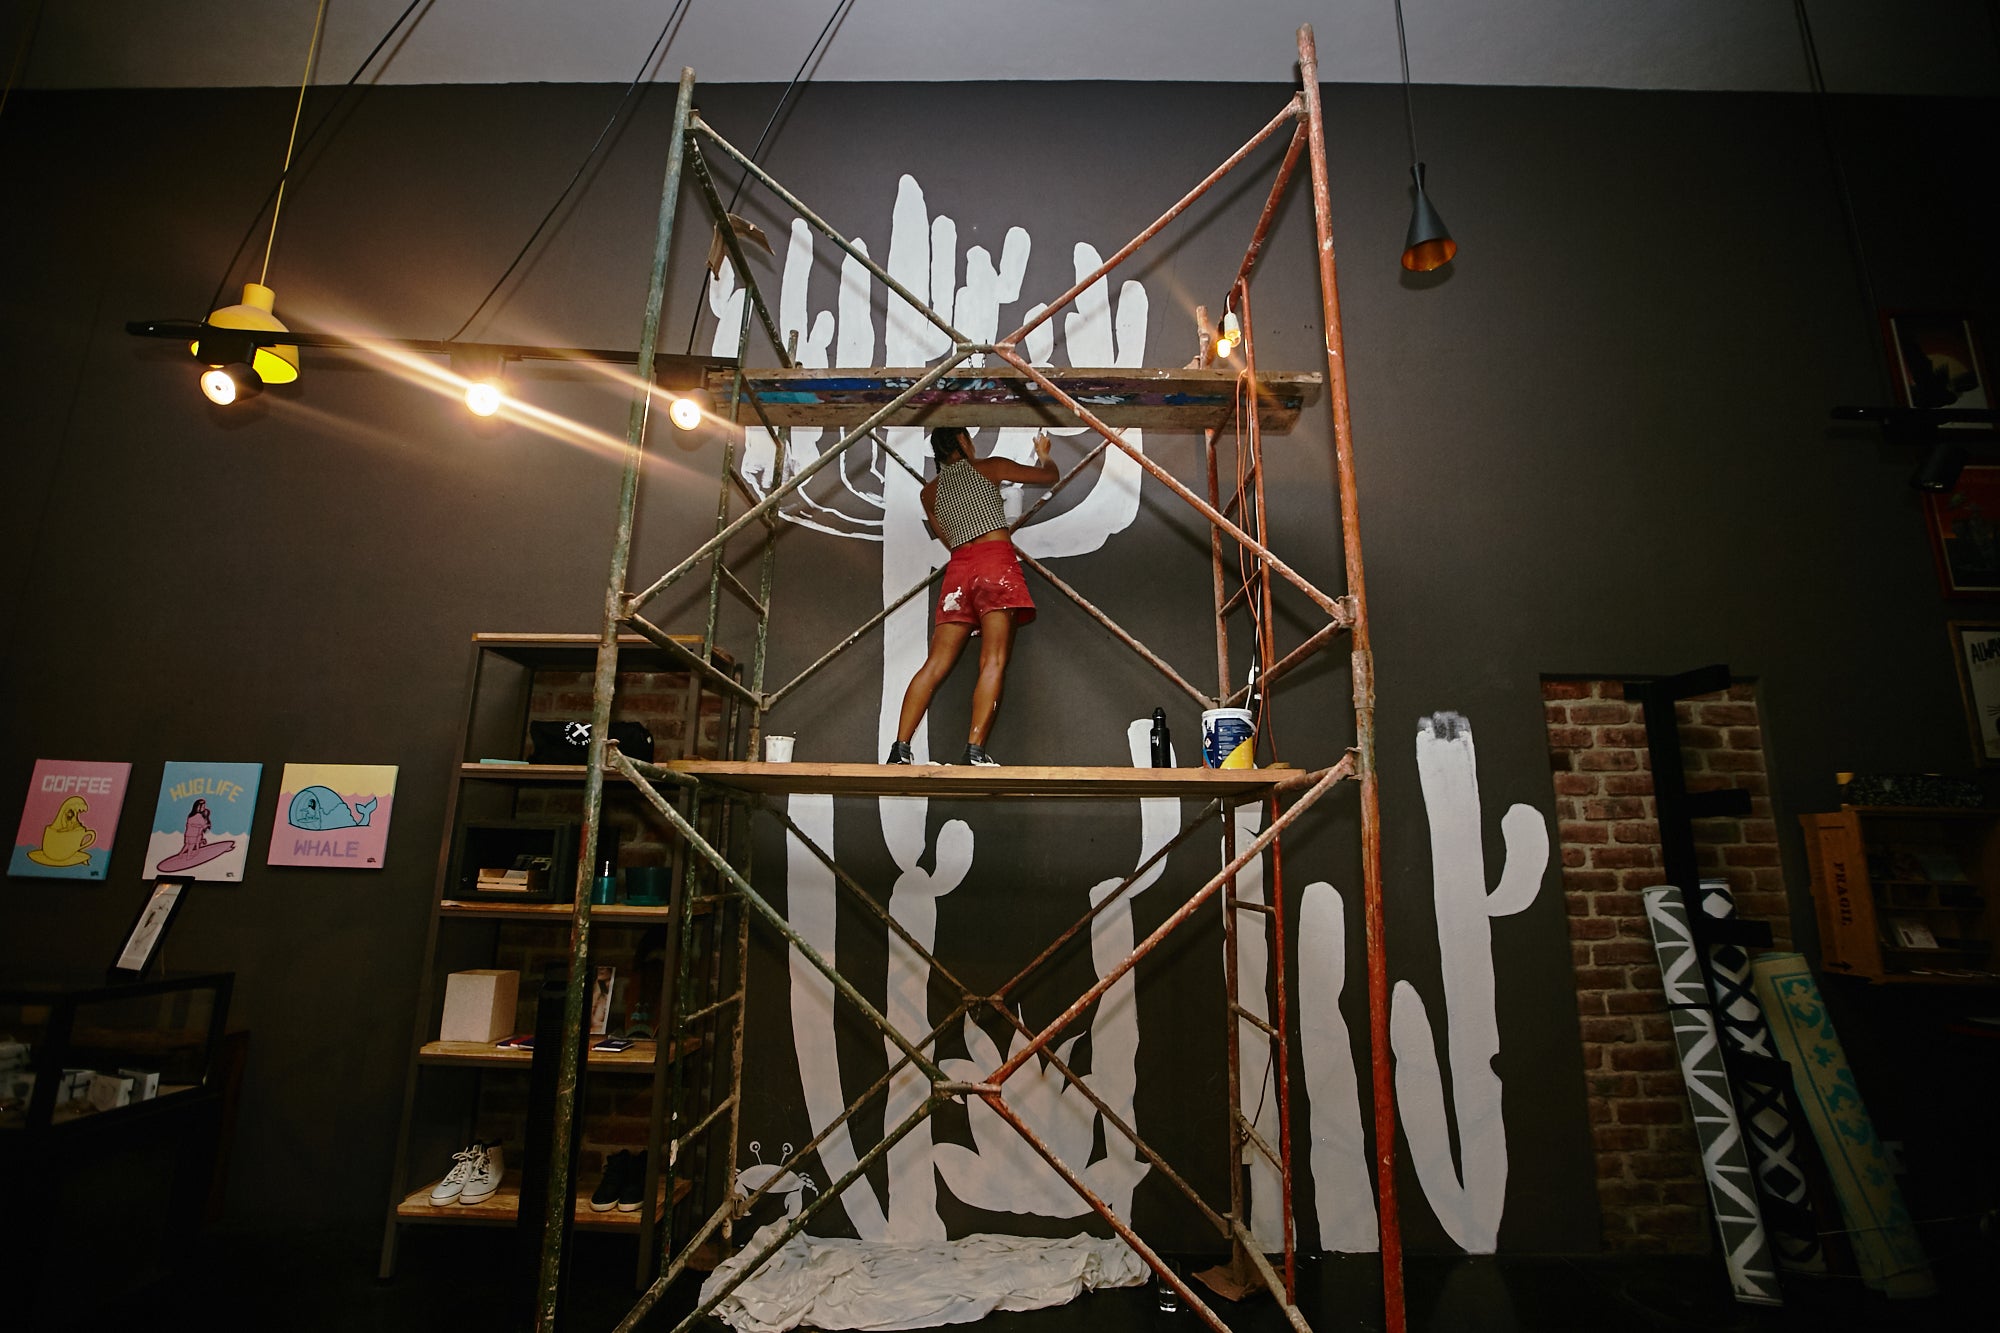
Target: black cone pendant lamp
(1428, 246)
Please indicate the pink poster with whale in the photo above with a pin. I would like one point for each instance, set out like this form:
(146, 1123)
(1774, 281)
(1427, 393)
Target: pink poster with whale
(333, 815)
(69, 819)
(201, 825)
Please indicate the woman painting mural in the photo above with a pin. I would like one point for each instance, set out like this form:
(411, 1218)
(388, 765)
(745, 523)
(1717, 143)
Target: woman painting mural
(983, 592)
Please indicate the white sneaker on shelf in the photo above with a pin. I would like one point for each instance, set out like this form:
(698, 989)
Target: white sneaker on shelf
(447, 1191)
(484, 1178)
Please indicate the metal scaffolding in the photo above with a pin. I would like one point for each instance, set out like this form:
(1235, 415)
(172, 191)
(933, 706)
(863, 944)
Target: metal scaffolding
(1233, 408)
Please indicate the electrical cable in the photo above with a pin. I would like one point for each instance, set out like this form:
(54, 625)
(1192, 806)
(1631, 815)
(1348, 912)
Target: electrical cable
(812, 55)
(318, 125)
(659, 43)
(292, 142)
(29, 29)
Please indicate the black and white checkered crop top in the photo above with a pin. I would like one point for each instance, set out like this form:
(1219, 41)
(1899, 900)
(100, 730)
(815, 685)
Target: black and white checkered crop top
(965, 504)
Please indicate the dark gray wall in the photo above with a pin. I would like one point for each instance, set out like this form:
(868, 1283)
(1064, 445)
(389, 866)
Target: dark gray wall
(1598, 445)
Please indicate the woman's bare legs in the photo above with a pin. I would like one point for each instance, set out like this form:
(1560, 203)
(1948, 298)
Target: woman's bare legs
(947, 642)
(996, 640)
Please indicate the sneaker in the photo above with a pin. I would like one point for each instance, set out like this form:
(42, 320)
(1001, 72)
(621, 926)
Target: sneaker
(633, 1189)
(447, 1190)
(976, 756)
(616, 1167)
(900, 753)
(483, 1181)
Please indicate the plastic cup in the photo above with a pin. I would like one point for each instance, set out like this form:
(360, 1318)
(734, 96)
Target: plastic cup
(778, 749)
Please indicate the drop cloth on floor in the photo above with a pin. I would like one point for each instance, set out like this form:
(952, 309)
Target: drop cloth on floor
(835, 1283)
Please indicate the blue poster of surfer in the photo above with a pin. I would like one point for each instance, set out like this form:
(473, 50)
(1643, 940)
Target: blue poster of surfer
(201, 825)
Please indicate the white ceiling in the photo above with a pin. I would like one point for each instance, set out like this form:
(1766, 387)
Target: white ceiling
(1873, 46)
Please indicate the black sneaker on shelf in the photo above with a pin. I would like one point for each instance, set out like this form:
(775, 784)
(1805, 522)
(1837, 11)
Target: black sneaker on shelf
(900, 753)
(977, 756)
(633, 1188)
(617, 1167)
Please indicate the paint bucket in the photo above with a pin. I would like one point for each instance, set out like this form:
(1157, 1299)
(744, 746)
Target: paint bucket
(1228, 738)
(778, 749)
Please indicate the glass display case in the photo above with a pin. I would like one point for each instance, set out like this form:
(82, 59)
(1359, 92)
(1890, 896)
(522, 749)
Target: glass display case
(73, 1053)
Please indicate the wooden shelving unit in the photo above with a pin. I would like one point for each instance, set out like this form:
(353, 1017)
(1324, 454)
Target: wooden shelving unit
(448, 1081)
(1906, 895)
(639, 1058)
(503, 1208)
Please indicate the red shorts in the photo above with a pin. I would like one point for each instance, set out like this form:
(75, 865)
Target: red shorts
(983, 577)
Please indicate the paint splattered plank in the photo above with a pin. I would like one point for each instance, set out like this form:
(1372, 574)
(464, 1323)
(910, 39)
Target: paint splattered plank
(961, 781)
(1155, 399)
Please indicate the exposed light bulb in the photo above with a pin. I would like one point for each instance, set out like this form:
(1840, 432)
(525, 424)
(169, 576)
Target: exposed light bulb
(223, 385)
(1230, 334)
(685, 413)
(482, 398)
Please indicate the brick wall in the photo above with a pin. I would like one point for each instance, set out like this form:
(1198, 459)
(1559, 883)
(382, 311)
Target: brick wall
(1649, 1180)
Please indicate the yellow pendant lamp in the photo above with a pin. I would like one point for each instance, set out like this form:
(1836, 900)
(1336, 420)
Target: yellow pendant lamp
(239, 368)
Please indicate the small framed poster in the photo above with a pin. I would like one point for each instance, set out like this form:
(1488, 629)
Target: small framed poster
(1964, 524)
(142, 942)
(1936, 363)
(1976, 644)
(201, 825)
(333, 815)
(69, 819)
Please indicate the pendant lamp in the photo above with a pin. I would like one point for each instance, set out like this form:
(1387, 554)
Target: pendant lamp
(239, 368)
(1428, 246)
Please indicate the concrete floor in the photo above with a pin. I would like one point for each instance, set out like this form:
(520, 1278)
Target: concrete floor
(469, 1279)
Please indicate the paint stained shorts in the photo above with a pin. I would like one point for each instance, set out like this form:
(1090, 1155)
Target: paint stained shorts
(982, 577)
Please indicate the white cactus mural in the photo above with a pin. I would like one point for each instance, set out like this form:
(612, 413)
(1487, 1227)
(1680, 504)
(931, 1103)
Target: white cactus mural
(870, 496)
(1469, 1198)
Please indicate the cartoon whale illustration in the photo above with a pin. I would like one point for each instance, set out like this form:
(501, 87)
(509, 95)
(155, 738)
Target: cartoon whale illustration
(321, 808)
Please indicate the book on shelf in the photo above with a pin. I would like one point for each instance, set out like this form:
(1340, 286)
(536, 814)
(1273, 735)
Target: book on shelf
(1913, 934)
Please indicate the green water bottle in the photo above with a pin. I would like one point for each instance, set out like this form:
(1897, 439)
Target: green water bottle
(605, 892)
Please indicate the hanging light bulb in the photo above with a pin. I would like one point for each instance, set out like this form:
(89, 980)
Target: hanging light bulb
(481, 369)
(686, 409)
(223, 385)
(1230, 336)
(482, 398)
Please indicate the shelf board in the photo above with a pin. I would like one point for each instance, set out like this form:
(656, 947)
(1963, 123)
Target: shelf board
(1175, 399)
(485, 1055)
(1006, 781)
(526, 772)
(571, 652)
(504, 1207)
(615, 914)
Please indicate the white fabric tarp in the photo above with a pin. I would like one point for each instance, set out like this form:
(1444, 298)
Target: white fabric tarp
(835, 1283)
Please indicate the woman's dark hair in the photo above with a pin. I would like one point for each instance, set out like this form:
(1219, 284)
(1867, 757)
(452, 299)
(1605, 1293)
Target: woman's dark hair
(946, 440)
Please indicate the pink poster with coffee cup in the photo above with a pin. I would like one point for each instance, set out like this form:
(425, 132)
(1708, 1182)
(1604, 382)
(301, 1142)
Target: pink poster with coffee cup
(69, 819)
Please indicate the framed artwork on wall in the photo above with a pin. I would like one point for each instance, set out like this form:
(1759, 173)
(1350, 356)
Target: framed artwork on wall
(201, 826)
(1935, 362)
(333, 815)
(1976, 645)
(69, 819)
(1964, 524)
(142, 942)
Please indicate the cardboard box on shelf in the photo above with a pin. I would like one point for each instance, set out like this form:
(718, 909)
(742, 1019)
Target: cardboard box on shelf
(479, 1004)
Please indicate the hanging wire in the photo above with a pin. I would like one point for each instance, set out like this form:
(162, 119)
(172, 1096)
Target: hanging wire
(305, 82)
(813, 53)
(659, 43)
(1409, 108)
(29, 28)
(216, 298)
(1817, 81)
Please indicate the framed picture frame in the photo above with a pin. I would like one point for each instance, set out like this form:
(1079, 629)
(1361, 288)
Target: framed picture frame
(1976, 648)
(1964, 525)
(1935, 361)
(149, 928)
